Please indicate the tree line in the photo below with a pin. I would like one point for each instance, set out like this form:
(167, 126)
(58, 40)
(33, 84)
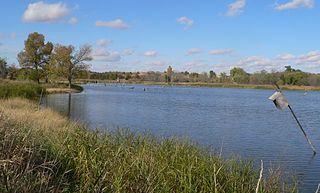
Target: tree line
(40, 60)
(289, 76)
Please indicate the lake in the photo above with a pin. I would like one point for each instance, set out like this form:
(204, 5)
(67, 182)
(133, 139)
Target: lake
(240, 122)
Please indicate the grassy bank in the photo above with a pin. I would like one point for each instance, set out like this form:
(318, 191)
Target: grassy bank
(27, 90)
(31, 90)
(41, 151)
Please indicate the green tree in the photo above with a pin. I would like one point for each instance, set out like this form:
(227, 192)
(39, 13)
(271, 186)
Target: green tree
(36, 54)
(238, 75)
(68, 61)
(223, 77)
(212, 74)
(3, 67)
(12, 72)
(169, 74)
(294, 77)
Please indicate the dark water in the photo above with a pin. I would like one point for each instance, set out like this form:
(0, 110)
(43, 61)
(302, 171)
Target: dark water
(240, 121)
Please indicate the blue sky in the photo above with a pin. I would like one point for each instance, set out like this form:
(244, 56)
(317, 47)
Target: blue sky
(149, 35)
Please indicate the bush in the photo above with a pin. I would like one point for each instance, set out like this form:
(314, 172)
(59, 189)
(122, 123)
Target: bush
(20, 89)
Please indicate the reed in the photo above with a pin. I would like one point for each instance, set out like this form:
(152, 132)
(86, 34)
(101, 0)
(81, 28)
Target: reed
(21, 89)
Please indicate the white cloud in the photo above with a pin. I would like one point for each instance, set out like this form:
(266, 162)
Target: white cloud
(127, 52)
(156, 63)
(104, 55)
(185, 21)
(313, 56)
(192, 51)
(45, 12)
(236, 7)
(151, 53)
(294, 4)
(73, 20)
(286, 57)
(252, 64)
(221, 52)
(115, 24)
(310, 60)
(103, 42)
(256, 61)
(195, 66)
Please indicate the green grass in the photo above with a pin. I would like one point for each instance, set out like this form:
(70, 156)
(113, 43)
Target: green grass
(41, 151)
(27, 90)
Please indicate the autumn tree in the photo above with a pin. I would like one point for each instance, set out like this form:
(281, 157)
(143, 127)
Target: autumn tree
(3, 67)
(36, 54)
(68, 61)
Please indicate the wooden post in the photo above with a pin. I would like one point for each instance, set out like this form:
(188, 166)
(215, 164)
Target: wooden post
(304, 133)
(281, 103)
(40, 99)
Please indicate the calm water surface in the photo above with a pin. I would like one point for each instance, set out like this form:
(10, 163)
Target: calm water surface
(240, 121)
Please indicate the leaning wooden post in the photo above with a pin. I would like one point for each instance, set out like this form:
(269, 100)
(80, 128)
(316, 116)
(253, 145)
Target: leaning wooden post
(304, 133)
(281, 103)
(40, 99)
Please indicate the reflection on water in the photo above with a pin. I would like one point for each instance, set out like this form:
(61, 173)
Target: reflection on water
(241, 121)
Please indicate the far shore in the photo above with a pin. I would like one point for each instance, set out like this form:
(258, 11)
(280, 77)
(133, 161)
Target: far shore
(210, 85)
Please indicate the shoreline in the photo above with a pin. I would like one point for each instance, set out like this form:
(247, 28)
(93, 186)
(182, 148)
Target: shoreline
(208, 85)
(62, 88)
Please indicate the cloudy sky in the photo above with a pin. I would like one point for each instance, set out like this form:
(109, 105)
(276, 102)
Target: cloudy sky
(192, 35)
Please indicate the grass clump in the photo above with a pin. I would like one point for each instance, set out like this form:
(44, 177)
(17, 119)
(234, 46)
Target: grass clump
(44, 152)
(27, 90)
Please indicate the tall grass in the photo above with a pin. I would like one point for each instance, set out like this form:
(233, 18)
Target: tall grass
(41, 151)
(27, 90)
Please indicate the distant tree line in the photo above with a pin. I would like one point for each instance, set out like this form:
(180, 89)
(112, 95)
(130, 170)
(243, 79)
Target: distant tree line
(40, 60)
(237, 75)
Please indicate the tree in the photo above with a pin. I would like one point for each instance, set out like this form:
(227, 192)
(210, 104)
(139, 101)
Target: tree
(223, 77)
(3, 67)
(212, 74)
(12, 72)
(238, 75)
(36, 54)
(169, 74)
(68, 61)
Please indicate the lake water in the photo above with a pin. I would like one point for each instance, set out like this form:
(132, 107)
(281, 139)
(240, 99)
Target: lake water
(239, 121)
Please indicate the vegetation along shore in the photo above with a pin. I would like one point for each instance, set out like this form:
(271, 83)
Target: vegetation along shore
(58, 155)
